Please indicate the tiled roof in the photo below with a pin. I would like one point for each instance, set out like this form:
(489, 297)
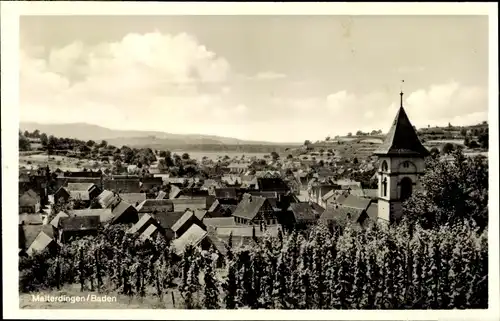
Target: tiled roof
(79, 195)
(152, 205)
(30, 218)
(133, 198)
(242, 230)
(353, 201)
(184, 218)
(303, 212)
(79, 186)
(182, 204)
(79, 223)
(194, 235)
(174, 192)
(219, 221)
(341, 215)
(166, 219)
(249, 206)
(41, 242)
(120, 208)
(105, 215)
(227, 193)
(372, 211)
(106, 198)
(27, 200)
(55, 220)
(148, 232)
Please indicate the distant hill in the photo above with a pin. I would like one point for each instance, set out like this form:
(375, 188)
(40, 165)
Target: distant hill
(84, 131)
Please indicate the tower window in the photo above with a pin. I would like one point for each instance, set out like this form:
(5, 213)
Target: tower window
(384, 187)
(384, 166)
(406, 188)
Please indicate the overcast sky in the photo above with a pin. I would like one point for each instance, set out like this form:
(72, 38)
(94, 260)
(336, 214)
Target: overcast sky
(273, 78)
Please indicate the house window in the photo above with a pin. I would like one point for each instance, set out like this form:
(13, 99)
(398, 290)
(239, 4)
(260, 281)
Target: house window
(384, 166)
(384, 187)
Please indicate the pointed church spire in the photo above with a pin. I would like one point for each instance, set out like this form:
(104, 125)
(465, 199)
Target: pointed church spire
(401, 138)
(401, 94)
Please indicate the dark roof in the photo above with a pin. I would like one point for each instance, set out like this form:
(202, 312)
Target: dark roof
(218, 207)
(79, 223)
(303, 212)
(226, 193)
(268, 194)
(30, 232)
(271, 184)
(341, 215)
(249, 206)
(181, 221)
(317, 208)
(353, 201)
(121, 208)
(401, 139)
(166, 219)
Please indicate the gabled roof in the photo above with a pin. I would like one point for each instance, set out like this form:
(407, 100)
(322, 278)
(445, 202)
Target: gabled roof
(226, 193)
(370, 192)
(271, 184)
(55, 220)
(79, 195)
(219, 221)
(166, 219)
(41, 242)
(341, 215)
(200, 214)
(79, 186)
(105, 215)
(144, 219)
(303, 212)
(184, 218)
(30, 219)
(161, 195)
(193, 236)
(27, 200)
(133, 198)
(372, 211)
(242, 230)
(194, 203)
(106, 198)
(148, 233)
(174, 192)
(79, 223)
(120, 209)
(249, 206)
(401, 140)
(152, 205)
(356, 202)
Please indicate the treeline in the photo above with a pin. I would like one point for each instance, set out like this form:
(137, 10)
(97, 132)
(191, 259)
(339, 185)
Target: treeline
(400, 267)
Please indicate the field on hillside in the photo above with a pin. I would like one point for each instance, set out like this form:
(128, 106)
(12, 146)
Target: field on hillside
(219, 155)
(56, 161)
(445, 141)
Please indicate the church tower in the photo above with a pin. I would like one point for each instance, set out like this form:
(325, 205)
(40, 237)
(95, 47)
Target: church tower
(401, 164)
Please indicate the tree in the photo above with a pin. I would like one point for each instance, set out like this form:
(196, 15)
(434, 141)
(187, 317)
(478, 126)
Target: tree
(358, 133)
(275, 155)
(24, 143)
(90, 143)
(483, 139)
(163, 154)
(349, 134)
(289, 156)
(434, 151)
(355, 160)
(185, 156)
(448, 148)
(103, 144)
(36, 133)
(463, 132)
(327, 138)
(307, 142)
(473, 144)
(44, 139)
(453, 191)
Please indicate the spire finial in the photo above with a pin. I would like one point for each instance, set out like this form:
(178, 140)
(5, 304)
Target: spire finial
(401, 94)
